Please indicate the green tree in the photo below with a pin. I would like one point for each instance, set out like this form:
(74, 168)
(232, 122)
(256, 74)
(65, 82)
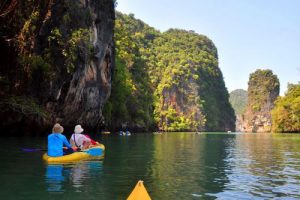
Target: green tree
(131, 99)
(286, 113)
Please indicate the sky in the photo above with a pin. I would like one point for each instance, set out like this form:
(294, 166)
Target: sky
(249, 34)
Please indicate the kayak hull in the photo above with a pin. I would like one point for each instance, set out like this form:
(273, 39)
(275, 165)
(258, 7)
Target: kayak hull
(95, 152)
(139, 192)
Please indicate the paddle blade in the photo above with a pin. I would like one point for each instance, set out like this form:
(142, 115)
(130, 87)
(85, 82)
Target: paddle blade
(95, 151)
(139, 192)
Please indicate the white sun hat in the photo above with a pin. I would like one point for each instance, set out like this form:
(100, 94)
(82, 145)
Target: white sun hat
(78, 129)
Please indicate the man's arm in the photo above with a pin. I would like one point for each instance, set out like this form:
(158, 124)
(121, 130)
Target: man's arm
(65, 141)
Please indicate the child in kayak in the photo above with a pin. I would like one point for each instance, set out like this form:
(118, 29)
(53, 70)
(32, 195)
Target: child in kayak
(80, 140)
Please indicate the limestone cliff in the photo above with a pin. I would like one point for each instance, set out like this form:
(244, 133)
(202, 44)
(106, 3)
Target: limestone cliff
(180, 107)
(61, 58)
(191, 88)
(263, 89)
(171, 80)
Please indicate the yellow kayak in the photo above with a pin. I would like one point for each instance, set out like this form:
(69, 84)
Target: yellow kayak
(94, 152)
(139, 192)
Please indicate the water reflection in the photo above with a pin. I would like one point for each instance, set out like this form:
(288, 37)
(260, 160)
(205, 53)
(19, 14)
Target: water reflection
(54, 178)
(263, 166)
(126, 161)
(60, 176)
(190, 166)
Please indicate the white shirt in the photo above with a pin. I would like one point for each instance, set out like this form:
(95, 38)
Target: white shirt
(79, 139)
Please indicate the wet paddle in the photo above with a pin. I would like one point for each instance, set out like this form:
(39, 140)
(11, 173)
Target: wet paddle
(32, 149)
(40, 149)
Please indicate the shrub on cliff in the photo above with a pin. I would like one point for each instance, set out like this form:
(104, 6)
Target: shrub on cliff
(286, 113)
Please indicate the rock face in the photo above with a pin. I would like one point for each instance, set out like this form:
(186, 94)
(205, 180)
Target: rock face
(191, 90)
(181, 101)
(66, 55)
(239, 123)
(90, 83)
(263, 89)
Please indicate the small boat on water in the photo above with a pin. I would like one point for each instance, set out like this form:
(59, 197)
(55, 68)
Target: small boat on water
(127, 133)
(139, 192)
(94, 152)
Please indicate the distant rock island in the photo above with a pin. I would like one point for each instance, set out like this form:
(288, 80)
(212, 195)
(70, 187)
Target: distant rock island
(263, 90)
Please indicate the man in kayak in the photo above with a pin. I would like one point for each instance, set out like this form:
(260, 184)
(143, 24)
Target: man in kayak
(56, 141)
(80, 140)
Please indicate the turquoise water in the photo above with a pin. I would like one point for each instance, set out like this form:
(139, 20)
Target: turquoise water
(173, 166)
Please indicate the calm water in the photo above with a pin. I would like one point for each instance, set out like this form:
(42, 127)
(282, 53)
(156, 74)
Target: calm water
(173, 166)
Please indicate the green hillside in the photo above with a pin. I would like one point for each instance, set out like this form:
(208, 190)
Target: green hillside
(238, 99)
(167, 80)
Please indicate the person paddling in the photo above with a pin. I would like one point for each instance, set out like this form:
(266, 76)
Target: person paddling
(80, 140)
(56, 141)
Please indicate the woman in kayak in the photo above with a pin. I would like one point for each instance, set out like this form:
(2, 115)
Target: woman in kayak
(80, 140)
(56, 141)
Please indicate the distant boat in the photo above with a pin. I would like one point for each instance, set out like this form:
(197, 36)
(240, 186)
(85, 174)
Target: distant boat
(105, 132)
(228, 131)
(122, 133)
(157, 133)
(127, 133)
(139, 192)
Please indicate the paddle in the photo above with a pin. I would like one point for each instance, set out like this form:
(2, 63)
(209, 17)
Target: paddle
(32, 149)
(39, 149)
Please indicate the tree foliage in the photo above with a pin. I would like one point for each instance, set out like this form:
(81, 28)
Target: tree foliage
(286, 113)
(174, 79)
(238, 99)
(261, 87)
(132, 96)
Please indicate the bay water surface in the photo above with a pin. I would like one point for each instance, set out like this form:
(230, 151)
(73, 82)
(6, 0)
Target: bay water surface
(179, 166)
